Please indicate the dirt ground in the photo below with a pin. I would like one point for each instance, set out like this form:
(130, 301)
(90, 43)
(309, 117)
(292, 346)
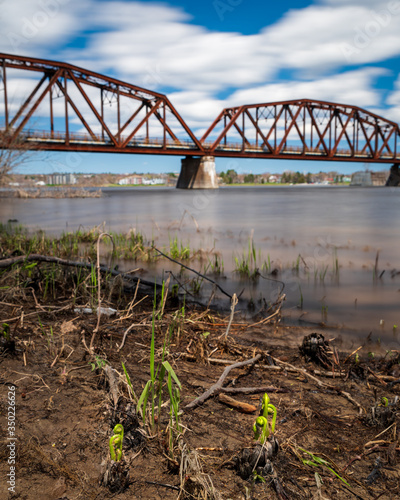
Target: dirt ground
(65, 411)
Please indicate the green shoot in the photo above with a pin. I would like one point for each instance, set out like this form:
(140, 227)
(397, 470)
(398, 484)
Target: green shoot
(6, 331)
(261, 427)
(128, 380)
(384, 401)
(317, 462)
(115, 443)
(98, 363)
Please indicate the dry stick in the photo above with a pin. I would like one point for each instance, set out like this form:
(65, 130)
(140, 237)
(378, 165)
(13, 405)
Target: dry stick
(233, 305)
(98, 288)
(218, 385)
(350, 355)
(63, 262)
(126, 333)
(239, 405)
(265, 319)
(252, 390)
(22, 315)
(193, 271)
(194, 220)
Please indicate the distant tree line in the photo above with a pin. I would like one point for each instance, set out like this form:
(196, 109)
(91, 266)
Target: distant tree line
(232, 177)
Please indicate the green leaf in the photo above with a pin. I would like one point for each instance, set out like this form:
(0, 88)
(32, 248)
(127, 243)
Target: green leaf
(144, 395)
(170, 370)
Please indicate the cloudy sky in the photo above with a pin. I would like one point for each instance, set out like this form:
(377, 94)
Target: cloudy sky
(217, 53)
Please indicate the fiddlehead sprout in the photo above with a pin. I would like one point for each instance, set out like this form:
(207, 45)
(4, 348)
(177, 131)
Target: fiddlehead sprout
(261, 426)
(384, 401)
(261, 429)
(268, 408)
(115, 443)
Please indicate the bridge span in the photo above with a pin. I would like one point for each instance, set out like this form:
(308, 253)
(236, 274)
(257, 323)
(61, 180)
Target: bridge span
(56, 106)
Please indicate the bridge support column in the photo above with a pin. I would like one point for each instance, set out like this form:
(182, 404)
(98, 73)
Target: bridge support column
(198, 173)
(394, 176)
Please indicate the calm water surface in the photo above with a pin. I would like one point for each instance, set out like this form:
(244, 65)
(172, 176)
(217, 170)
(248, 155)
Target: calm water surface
(337, 231)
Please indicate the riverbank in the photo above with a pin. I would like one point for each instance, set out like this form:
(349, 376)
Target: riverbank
(50, 192)
(76, 375)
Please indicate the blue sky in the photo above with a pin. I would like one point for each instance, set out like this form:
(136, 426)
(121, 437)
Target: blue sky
(217, 53)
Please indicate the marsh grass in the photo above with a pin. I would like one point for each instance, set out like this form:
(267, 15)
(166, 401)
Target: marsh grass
(246, 263)
(177, 250)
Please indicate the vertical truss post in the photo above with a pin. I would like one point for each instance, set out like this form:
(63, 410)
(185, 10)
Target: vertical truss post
(304, 129)
(257, 127)
(51, 113)
(66, 109)
(286, 125)
(118, 116)
(102, 112)
(164, 125)
(5, 94)
(312, 128)
(243, 137)
(225, 128)
(147, 124)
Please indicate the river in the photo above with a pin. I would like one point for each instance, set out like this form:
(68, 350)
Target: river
(338, 232)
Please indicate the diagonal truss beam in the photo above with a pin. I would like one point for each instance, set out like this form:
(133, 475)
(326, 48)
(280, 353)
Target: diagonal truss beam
(76, 109)
(52, 81)
(94, 110)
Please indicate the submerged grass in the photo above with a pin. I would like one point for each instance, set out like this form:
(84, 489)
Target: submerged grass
(246, 263)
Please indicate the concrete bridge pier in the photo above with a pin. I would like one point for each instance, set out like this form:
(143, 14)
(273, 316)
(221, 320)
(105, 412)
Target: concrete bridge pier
(198, 173)
(394, 176)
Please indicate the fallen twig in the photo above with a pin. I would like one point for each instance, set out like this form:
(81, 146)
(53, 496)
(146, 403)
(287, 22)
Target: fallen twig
(253, 390)
(239, 405)
(165, 485)
(234, 302)
(218, 385)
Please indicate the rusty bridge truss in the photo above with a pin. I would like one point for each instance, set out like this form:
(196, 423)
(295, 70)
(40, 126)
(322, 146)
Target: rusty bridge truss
(58, 106)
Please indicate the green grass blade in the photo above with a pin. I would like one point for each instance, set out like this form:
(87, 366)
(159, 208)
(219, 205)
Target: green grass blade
(170, 371)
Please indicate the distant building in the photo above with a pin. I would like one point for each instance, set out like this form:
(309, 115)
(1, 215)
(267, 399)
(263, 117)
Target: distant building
(134, 180)
(61, 179)
(153, 182)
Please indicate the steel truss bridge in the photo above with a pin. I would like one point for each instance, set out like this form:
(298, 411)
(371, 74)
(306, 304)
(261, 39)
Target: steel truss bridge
(57, 106)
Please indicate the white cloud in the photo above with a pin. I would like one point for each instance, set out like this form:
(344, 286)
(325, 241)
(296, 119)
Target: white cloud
(352, 87)
(29, 25)
(155, 46)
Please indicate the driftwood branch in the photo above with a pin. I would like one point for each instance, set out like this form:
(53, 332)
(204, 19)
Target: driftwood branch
(216, 388)
(193, 271)
(234, 403)
(4, 263)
